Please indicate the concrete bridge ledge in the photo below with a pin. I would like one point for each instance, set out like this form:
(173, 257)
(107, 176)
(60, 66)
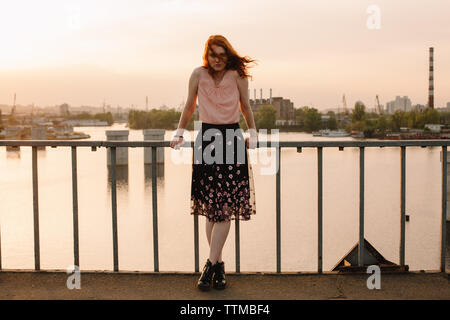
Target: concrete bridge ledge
(243, 286)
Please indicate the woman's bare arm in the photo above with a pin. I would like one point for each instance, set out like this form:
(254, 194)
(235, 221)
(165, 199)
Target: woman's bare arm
(247, 111)
(245, 105)
(188, 110)
(191, 101)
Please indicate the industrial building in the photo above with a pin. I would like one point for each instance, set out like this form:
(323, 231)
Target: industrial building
(283, 107)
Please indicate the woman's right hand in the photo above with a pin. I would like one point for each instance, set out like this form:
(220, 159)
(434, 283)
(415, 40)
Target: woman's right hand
(176, 142)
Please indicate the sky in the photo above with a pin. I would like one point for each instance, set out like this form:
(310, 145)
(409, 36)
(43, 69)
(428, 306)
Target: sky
(312, 52)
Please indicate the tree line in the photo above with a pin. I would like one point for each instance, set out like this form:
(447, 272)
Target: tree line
(107, 117)
(310, 119)
(374, 124)
(156, 119)
(307, 119)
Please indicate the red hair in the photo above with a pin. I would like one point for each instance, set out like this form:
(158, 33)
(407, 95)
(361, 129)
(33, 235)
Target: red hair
(234, 61)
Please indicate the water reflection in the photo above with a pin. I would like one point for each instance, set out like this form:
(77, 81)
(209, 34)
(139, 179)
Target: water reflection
(12, 152)
(148, 173)
(121, 175)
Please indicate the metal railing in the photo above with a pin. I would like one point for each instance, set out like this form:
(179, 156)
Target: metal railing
(319, 145)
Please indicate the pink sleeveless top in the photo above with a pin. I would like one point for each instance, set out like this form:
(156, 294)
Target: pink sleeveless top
(218, 104)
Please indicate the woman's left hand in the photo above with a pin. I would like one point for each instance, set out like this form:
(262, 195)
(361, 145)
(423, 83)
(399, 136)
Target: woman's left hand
(251, 142)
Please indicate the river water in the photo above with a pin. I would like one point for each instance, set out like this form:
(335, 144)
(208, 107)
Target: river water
(175, 224)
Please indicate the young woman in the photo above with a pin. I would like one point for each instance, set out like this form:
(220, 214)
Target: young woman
(222, 186)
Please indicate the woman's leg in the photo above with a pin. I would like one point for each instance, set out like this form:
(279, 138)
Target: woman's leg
(218, 237)
(209, 227)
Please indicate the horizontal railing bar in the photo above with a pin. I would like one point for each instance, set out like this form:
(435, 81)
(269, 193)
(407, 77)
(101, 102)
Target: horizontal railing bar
(275, 144)
(50, 143)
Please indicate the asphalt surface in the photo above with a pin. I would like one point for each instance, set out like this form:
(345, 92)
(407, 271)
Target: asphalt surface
(52, 285)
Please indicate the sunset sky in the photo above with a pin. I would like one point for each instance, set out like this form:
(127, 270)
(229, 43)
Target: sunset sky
(312, 52)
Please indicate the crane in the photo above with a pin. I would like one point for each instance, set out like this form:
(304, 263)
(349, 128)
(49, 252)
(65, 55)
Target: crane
(380, 110)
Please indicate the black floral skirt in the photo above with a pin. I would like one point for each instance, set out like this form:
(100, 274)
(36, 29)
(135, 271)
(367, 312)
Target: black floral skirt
(222, 186)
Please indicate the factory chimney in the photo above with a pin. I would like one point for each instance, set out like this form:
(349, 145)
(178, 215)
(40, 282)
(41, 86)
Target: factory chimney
(260, 95)
(431, 81)
(270, 101)
(254, 94)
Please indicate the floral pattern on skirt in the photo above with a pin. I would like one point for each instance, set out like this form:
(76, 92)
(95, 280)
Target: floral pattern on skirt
(216, 186)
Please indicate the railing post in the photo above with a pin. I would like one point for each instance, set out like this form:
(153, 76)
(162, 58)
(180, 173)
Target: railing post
(0, 247)
(76, 251)
(319, 209)
(237, 245)
(196, 247)
(196, 251)
(402, 203)
(114, 208)
(37, 263)
(444, 207)
(361, 208)
(155, 212)
(278, 206)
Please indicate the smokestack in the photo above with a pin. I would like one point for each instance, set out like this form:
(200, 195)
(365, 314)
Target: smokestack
(431, 81)
(270, 95)
(146, 103)
(254, 93)
(260, 90)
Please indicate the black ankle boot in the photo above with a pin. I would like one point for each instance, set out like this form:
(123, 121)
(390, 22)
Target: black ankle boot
(219, 281)
(204, 282)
